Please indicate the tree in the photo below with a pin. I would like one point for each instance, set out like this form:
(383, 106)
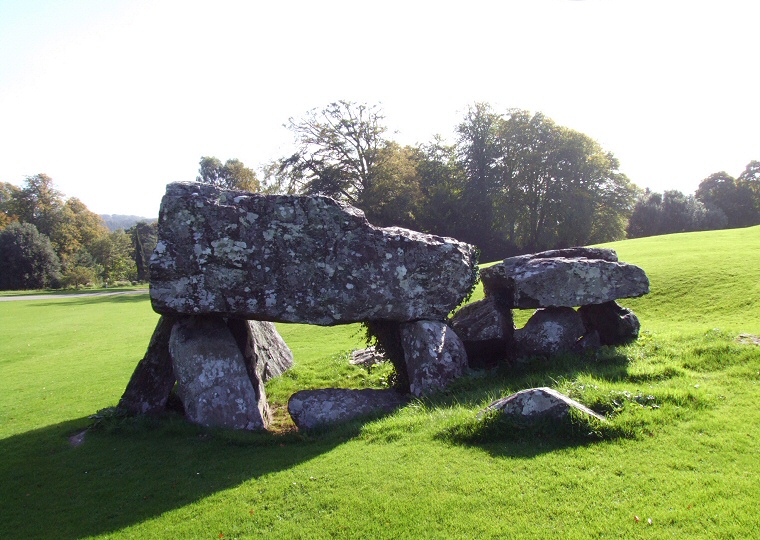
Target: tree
(232, 175)
(479, 156)
(337, 152)
(113, 253)
(393, 197)
(672, 212)
(27, 259)
(83, 269)
(38, 203)
(735, 199)
(7, 213)
(144, 239)
(534, 185)
(76, 228)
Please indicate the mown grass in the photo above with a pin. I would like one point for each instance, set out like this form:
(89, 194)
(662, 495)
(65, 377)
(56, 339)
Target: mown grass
(679, 448)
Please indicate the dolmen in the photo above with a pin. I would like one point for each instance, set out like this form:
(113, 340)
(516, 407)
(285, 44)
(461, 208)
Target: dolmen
(230, 263)
(555, 282)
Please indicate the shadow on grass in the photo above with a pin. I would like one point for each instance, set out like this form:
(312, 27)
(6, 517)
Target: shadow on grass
(500, 436)
(121, 477)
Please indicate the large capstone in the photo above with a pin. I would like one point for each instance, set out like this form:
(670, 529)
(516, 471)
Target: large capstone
(563, 278)
(298, 259)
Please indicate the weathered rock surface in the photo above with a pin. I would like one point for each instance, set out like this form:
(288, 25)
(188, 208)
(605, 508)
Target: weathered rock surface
(298, 259)
(549, 331)
(368, 357)
(538, 405)
(563, 278)
(485, 331)
(615, 324)
(310, 409)
(153, 379)
(262, 346)
(434, 356)
(213, 380)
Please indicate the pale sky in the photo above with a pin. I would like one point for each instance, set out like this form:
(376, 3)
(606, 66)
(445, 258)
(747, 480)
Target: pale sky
(114, 99)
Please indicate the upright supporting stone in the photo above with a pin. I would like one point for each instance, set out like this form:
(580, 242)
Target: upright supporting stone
(486, 332)
(615, 324)
(434, 355)
(213, 381)
(153, 378)
(549, 331)
(263, 348)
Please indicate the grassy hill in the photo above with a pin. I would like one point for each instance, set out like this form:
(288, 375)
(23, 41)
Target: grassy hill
(680, 447)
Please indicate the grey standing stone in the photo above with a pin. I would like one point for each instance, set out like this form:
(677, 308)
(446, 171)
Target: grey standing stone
(486, 332)
(298, 259)
(310, 409)
(547, 280)
(153, 379)
(549, 331)
(615, 324)
(434, 356)
(538, 405)
(263, 348)
(213, 381)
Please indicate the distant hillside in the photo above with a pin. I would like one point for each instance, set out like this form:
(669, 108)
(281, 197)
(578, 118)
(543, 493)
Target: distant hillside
(117, 221)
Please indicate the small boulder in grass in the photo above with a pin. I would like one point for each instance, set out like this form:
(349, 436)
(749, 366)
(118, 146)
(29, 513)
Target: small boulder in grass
(537, 405)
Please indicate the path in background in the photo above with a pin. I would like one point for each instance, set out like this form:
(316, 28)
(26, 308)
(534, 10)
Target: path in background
(73, 295)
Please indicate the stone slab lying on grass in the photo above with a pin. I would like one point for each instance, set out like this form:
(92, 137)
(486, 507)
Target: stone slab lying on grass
(216, 387)
(310, 409)
(368, 357)
(563, 278)
(298, 259)
(537, 405)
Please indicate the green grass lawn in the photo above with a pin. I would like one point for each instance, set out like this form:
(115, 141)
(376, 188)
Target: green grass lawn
(680, 447)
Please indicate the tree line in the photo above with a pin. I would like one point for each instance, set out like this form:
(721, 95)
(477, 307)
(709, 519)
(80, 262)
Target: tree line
(720, 202)
(47, 240)
(512, 182)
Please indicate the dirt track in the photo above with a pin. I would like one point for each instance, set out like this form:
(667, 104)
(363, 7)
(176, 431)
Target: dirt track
(72, 295)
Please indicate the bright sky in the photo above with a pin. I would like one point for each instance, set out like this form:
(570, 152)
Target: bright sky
(114, 99)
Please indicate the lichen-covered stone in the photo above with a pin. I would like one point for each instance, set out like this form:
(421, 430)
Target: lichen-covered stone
(434, 356)
(563, 278)
(264, 350)
(311, 409)
(213, 381)
(368, 357)
(538, 405)
(614, 324)
(298, 259)
(549, 331)
(486, 332)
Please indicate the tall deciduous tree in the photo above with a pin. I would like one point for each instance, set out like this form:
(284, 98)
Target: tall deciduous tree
(337, 151)
(536, 185)
(231, 175)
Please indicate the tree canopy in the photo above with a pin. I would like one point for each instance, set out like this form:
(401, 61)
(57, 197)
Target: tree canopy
(233, 174)
(512, 182)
